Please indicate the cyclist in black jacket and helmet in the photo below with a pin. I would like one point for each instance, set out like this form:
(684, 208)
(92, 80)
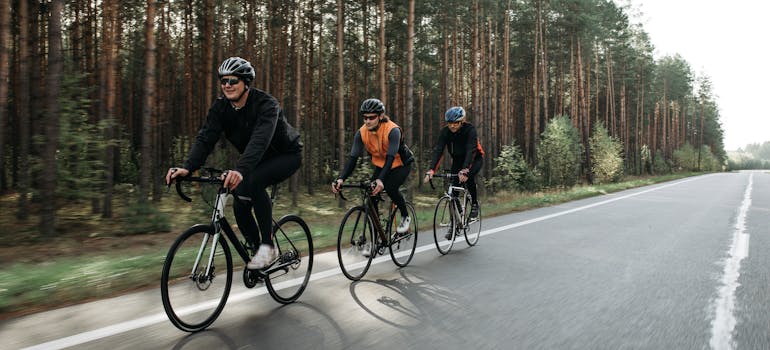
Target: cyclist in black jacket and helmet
(252, 120)
(462, 141)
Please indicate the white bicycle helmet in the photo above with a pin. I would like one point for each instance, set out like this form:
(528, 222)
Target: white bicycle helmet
(238, 67)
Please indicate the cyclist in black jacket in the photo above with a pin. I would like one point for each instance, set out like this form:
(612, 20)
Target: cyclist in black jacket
(462, 141)
(252, 120)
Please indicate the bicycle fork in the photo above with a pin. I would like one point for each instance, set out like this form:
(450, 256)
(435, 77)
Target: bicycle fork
(204, 279)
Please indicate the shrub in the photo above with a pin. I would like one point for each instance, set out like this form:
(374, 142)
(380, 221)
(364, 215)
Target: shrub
(686, 158)
(660, 164)
(606, 156)
(511, 171)
(559, 153)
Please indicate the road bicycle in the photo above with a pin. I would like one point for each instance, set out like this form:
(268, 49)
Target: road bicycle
(198, 269)
(363, 235)
(452, 216)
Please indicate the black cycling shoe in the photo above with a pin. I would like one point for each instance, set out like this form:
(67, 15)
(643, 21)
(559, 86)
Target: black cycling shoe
(474, 211)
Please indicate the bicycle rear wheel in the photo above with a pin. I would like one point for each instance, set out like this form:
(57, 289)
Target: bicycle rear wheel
(443, 225)
(356, 246)
(472, 226)
(287, 279)
(402, 245)
(192, 297)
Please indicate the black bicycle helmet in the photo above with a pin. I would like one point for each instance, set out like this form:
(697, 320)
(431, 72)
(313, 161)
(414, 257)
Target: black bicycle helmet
(454, 114)
(372, 105)
(238, 67)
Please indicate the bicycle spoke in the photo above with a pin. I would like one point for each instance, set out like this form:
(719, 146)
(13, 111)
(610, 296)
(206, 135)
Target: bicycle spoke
(355, 243)
(402, 245)
(443, 226)
(288, 276)
(473, 225)
(194, 298)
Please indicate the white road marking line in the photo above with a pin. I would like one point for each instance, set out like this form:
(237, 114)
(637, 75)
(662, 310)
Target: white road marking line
(724, 322)
(127, 326)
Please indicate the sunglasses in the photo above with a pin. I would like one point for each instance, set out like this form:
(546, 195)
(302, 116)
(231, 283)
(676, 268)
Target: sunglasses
(231, 81)
(454, 123)
(371, 117)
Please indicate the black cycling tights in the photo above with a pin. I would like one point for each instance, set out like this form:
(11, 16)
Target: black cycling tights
(476, 165)
(393, 180)
(269, 171)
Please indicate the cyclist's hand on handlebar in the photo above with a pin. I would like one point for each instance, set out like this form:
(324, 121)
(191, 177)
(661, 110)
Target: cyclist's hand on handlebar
(174, 173)
(336, 185)
(428, 176)
(232, 178)
(378, 187)
(463, 175)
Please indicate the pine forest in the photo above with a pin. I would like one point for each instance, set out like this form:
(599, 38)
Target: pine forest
(100, 96)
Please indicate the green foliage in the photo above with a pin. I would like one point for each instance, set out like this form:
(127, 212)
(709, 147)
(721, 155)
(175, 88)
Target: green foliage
(709, 161)
(686, 158)
(606, 156)
(559, 153)
(512, 171)
(128, 171)
(660, 164)
(144, 218)
(759, 151)
(646, 159)
(743, 162)
(79, 160)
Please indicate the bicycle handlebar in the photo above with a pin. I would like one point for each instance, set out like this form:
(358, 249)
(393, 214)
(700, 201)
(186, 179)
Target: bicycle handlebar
(213, 178)
(363, 185)
(442, 175)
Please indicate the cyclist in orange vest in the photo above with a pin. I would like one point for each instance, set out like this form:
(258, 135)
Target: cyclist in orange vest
(392, 159)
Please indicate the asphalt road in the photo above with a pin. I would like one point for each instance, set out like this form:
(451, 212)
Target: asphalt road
(678, 265)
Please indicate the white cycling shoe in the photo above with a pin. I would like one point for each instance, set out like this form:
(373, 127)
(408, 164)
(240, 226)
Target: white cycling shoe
(403, 227)
(265, 255)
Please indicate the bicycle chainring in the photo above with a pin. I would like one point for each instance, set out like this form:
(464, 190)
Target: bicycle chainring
(251, 278)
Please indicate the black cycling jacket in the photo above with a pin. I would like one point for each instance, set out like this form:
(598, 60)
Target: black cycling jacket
(258, 130)
(463, 146)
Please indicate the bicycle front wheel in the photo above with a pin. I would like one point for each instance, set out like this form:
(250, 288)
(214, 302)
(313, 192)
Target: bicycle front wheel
(472, 225)
(194, 291)
(402, 245)
(356, 246)
(288, 277)
(444, 225)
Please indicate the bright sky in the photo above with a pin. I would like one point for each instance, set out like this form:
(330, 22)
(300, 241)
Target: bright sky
(726, 40)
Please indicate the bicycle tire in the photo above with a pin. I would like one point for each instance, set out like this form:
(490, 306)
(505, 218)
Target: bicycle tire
(402, 246)
(289, 277)
(443, 224)
(472, 228)
(356, 232)
(187, 294)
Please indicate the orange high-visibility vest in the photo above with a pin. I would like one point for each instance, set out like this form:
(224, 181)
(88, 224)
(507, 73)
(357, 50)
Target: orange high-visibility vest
(376, 143)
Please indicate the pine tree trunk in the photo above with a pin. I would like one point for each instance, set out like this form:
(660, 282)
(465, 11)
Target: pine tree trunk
(382, 58)
(409, 117)
(5, 54)
(543, 68)
(53, 77)
(297, 42)
(208, 52)
(110, 37)
(534, 125)
(148, 107)
(340, 88)
(505, 115)
(23, 109)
